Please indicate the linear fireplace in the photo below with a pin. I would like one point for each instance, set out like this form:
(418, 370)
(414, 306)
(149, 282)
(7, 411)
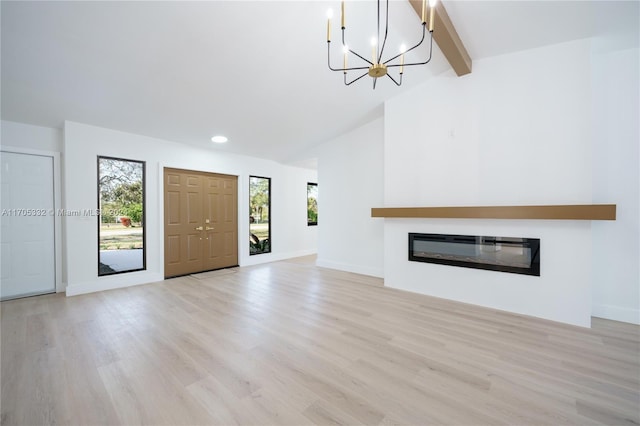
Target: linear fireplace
(505, 254)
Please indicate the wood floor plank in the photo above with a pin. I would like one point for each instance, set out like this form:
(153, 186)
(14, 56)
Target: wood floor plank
(289, 343)
(323, 413)
(122, 388)
(223, 406)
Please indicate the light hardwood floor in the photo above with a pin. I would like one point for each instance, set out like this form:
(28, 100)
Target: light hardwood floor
(290, 343)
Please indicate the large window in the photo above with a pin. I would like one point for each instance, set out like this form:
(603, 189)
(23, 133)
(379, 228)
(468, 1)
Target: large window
(259, 215)
(121, 238)
(312, 204)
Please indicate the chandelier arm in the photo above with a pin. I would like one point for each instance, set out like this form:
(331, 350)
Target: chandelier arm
(364, 59)
(386, 32)
(329, 57)
(408, 50)
(419, 63)
(351, 51)
(341, 69)
(353, 69)
(394, 80)
(354, 80)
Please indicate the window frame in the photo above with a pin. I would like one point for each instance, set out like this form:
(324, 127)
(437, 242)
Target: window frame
(269, 237)
(144, 213)
(312, 223)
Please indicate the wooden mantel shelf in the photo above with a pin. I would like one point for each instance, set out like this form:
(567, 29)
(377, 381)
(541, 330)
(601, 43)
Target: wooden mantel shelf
(554, 212)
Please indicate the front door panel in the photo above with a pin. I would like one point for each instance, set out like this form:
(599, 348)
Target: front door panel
(195, 202)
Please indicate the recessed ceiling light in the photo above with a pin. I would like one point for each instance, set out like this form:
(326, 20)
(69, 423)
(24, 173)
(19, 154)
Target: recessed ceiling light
(219, 139)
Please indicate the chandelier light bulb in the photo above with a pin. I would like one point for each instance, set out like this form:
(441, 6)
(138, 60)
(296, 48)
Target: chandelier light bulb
(345, 50)
(329, 13)
(432, 10)
(403, 48)
(374, 53)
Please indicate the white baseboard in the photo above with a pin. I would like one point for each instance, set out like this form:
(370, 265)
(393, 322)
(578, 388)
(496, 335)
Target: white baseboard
(114, 281)
(275, 257)
(616, 313)
(356, 269)
(137, 278)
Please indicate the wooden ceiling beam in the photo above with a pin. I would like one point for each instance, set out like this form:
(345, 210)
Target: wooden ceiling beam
(446, 36)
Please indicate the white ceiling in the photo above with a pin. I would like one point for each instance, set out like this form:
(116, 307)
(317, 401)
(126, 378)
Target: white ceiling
(252, 70)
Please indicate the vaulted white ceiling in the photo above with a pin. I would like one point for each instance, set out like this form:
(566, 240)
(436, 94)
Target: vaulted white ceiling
(252, 70)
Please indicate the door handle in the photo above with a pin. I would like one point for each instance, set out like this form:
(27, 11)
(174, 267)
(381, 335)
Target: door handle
(209, 228)
(199, 228)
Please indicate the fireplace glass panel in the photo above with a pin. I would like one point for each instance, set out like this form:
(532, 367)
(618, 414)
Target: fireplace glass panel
(506, 254)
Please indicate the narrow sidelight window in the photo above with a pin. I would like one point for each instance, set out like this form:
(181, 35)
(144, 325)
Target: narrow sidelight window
(312, 204)
(121, 224)
(259, 215)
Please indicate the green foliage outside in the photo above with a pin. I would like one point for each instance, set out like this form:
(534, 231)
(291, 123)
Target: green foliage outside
(259, 199)
(133, 211)
(125, 199)
(260, 246)
(312, 210)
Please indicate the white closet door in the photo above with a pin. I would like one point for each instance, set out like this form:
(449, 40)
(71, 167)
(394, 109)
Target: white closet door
(28, 220)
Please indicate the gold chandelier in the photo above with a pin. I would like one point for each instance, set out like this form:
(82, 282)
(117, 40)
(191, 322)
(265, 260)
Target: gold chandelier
(375, 67)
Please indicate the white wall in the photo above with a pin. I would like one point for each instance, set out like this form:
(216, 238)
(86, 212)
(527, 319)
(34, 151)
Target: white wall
(31, 137)
(515, 131)
(350, 174)
(83, 143)
(616, 246)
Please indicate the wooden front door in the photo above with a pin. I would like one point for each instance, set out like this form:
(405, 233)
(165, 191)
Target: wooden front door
(200, 221)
